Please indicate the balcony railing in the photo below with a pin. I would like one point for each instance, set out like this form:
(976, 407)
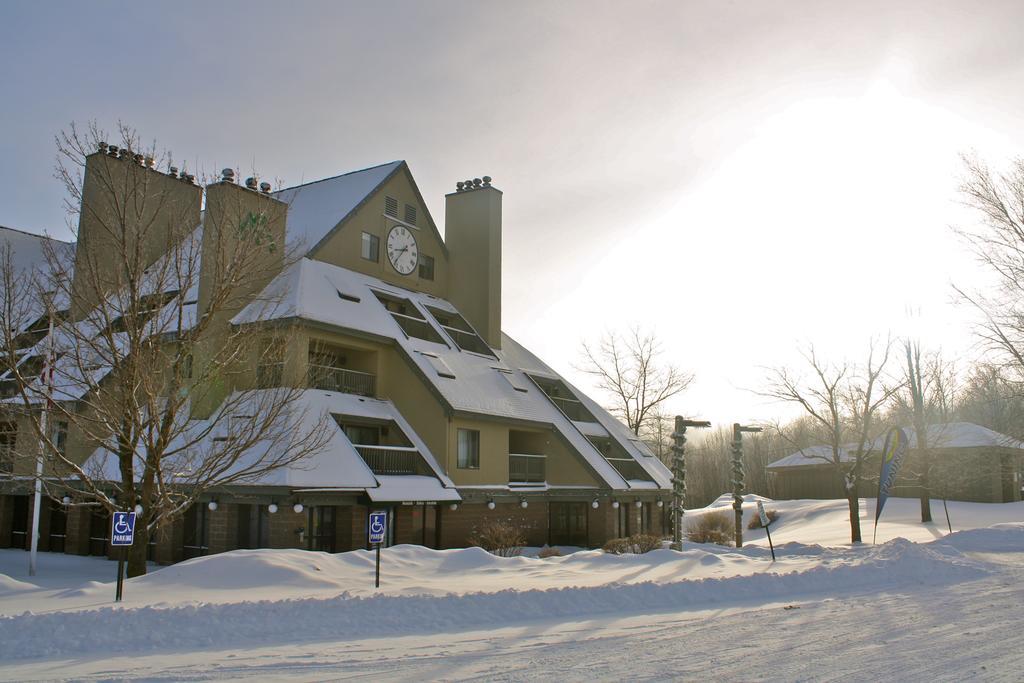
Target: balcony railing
(342, 380)
(416, 327)
(573, 409)
(629, 469)
(6, 459)
(526, 469)
(392, 459)
(468, 341)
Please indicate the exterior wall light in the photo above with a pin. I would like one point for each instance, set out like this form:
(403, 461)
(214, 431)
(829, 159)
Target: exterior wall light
(639, 504)
(297, 508)
(453, 507)
(138, 509)
(523, 504)
(615, 504)
(212, 505)
(595, 504)
(66, 500)
(490, 505)
(661, 503)
(272, 508)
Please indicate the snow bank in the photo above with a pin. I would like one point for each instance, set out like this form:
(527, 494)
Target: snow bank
(146, 629)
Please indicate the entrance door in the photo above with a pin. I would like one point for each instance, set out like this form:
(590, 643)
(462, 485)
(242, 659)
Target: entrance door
(99, 529)
(195, 537)
(19, 523)
(568, 524)
(58, 526)
(322, 528)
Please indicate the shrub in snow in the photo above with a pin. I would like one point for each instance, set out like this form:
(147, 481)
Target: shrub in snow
(548, 551)
(712, 527)
(498, 537)
(635, 544)
(755, 521)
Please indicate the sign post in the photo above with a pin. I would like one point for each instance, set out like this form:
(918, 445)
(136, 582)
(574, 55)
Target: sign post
(377, 530)
(765, 522)
(122, 533)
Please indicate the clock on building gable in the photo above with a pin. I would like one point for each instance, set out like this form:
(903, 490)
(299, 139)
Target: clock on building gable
(402, 250)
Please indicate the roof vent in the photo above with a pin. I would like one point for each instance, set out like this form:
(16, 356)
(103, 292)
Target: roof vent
(172, 171)
(103, 148)
(265, 187)
(112, 150)
(139, 159)
(476, 183)
(250, 182)
(227, 175)
(150, 162)
(122, 153)
(487, 181)
(459, 185)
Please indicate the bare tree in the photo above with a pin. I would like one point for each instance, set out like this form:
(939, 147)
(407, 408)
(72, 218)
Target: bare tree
(630, 370)
(141, 398)
(843, 401)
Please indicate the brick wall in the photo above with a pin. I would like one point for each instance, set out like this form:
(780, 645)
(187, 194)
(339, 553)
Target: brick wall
(222, 533)
(77, 541)
(458, 526)
(283, 526)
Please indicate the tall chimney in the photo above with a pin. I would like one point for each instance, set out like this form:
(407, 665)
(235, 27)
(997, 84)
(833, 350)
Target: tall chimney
(130, 215)
(472, 233)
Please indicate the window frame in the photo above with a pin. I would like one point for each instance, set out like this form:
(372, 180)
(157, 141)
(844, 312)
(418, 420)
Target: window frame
(471, 461)
(424, 260)
(368, 238)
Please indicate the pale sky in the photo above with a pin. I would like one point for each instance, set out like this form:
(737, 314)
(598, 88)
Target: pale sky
(741, 177)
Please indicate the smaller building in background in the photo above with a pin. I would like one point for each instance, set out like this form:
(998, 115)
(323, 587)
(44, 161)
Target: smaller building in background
(967, 462)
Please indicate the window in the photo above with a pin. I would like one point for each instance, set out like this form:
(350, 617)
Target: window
(391, 206)
(194, 539)
(371, 247)
(409, 318)
(8, 440)
(59, 436)
(469, 449)
(410, 214)
(426, 266)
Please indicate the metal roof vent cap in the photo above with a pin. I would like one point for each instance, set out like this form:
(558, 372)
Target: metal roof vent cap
(172, 171)
(250, 182)
(476, 183)
(487, 181)
(459, 186)
(150, 162)
(265, 187)
(103, 148)
(112, 150)
(228, 175)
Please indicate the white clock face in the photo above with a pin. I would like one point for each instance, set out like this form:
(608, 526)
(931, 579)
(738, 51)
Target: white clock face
(402, 250)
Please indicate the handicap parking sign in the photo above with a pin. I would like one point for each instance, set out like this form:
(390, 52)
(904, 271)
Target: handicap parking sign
(378, 526)
(122, 531)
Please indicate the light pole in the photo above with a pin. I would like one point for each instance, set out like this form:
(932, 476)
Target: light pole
(679, 475)
(737, 476)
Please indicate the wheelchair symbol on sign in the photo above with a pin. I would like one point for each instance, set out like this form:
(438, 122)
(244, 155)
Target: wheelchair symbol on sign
(121, 526)
(378, 526)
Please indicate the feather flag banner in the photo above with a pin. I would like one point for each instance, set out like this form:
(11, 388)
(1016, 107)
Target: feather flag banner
(893, 453)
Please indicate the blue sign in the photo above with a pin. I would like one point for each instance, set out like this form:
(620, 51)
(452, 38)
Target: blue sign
(122, 530)
(378, 527)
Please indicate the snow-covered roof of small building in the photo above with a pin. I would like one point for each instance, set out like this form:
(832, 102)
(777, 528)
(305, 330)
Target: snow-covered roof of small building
(28, 249)
(474, 383)
(811, 456)
(316, 208)
(940, 436)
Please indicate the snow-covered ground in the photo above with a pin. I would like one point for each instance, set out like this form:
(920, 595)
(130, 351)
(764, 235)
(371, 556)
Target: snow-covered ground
(921, 603)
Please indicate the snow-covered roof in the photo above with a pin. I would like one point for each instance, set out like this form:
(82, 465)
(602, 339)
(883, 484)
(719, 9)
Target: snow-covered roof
(497, 386)
(811, 456)
(961, 435)
(939, 436)
(28, 249)
(338, 466)
(316, 208)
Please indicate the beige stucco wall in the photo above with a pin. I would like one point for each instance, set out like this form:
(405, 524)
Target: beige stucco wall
(344, 247)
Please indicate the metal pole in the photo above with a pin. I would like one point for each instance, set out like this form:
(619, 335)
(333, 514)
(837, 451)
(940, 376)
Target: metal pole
(120, 574)
(43, 425)
(770, 545)
(377, 581)
(679, 476)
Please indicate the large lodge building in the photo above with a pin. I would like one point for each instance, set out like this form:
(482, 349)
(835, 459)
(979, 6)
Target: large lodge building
(438, 417)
